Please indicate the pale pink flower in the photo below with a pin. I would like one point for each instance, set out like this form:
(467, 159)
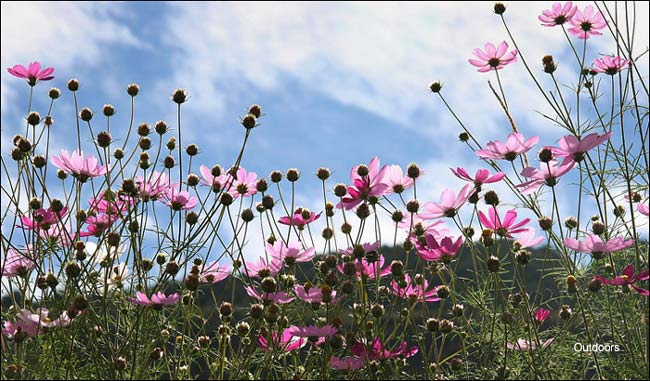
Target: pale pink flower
(628, 278)
(514, 146)
(79, 167)
(98, 224)
(217, 183)
(527, 238)
(245, 184)
(179, 200)
(313, 295)
(610, 65)
(261, 269)
(548, 174)
(481, 177)
(525, 345)
(367, 269)
(414, 292)
(32, 73)
(43, 219)
(290, 253)
(298, 220)
(558, 14)
(376, 350)
(493, 57)
(286, 342)
(449, 203)
(312, 331)
(643, 209)
(24, 327)
(277, 297)
(367, 247)
(347, 363)
(505, 228)
(442, 248)
(575, 149)
(214, 273)
(371, 185)
(587, 23)
(541, 315)
(17, 263)
(157, 301)
(415, 225)
(154, 186)
(396, 180)
(118, 206)
(593, 244)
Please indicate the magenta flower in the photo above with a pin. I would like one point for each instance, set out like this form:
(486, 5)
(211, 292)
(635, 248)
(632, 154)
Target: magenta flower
(154, 186)
(610, 65)
(376, 350)
(481, 177)
(525, 345)
(290, 253)
(244, 185)
(98, 224)
(277, 297)
(312, 331)
(514, 146)
(593, 244)
(558, 15)
(32, 73)
(79, 167)
(43, 219)
(286, 342)
(438, 248)
(527, 239)
(493, 57)
(548, 174)
(396, 181)
(505, 228)
(575, 149)
(414, 292)
(627, 279)
(313, 295)
(347, 363)
(261, 269)
(179, 200)
(541, 315)
(371, 185)
(214, 273)
(298, 219)
(587, 23)
(17, 263)
(449, 203)
(368, 269)
(643, 209)
(157, 301)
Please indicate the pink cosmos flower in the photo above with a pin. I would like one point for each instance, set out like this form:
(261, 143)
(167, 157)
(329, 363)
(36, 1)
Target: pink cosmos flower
(449, 203)
(548, 174)
(367, 247)
(396, 181)
(313, 295)
(157, 301)
(514, 146)
(593, 244)
(575, 149)
(438, 248)
(312, 331)
(79, 167)
(481, 177)
(261, 269)
(376, 350)
(118, 206)
(371, 185)
(286, 342)
(505, 228)
(277, 297)
(154, 186)
(290, 253)
(217, 183)
(244, 185)
(587, 23)
(643, 209)
(298, 219)
(541, 315)
(493, 57)
(98, 224)
(347, 363)
(415, 292)
(367, 269)
(525, 345)
(32, 73)
(17, 264)
(214, 273)
(610, 65)
(43, 219)
(414, 225)
(179, 200)
(527, 239)
(558, 15)
(628, 278)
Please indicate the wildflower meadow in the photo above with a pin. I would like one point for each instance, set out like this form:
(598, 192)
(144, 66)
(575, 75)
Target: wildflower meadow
(126, 255)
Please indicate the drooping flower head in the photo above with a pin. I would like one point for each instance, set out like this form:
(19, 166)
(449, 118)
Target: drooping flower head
(587, 23)
(79, 167)
(558, 14)
(610, 65)
(32, 73)
(514, 146)
(493, 58)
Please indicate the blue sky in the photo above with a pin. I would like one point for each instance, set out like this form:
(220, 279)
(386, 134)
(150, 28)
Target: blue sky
(338, 83)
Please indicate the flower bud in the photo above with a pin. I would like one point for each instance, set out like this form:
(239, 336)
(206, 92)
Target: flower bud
(33, 118)
(499, 8)
(108, 110)
(85, 114)
(133, 89)
(323, 173)
(104, 139)
(255, 110)
(249, 121)
(179, 96)
(435, 87)
(73, 84)
(293, 175)
(54, 93)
